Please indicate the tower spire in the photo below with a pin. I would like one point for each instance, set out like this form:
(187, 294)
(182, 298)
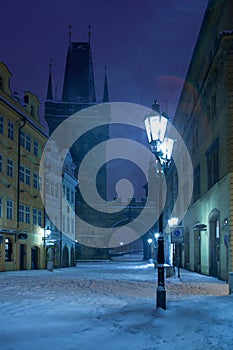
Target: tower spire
(70, 33)
(89, 33)
(105, 95)
(49, 95)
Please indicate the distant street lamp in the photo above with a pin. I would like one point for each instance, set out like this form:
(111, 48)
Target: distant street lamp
(161, 147)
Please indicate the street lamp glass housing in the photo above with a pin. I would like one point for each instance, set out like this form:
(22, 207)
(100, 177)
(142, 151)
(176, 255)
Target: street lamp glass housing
(160, 145)
(155, 128)
(166, 148)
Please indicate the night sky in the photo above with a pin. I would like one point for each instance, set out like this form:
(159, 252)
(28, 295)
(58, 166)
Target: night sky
(148, 45)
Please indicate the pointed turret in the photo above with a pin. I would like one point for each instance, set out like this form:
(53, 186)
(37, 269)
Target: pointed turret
(49, 95)
(105, 95)
(89, 34)
(70, 34)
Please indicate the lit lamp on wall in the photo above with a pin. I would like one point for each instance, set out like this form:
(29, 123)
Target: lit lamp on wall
(47, 232)
(172, 223)
(161, 147)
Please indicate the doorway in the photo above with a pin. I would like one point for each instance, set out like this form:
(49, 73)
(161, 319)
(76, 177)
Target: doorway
(34, 258)
(186, 249)
(197, 251)
(23, 257)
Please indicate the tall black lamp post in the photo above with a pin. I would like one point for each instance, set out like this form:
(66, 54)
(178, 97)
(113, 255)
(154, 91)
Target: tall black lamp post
(161, 147)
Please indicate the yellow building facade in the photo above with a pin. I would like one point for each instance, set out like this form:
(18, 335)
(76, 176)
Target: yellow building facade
(22, 139)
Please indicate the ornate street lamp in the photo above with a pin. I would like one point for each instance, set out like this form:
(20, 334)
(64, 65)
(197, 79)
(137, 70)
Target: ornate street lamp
(161, 147)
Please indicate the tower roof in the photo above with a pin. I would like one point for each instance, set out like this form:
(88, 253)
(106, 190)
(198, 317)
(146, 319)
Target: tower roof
(79, 77)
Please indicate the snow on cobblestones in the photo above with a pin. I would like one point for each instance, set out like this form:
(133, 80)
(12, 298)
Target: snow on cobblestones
(112, 304)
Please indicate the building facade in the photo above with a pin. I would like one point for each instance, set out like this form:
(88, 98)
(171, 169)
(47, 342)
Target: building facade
(60, 200)
(22, 139)
(204, 118)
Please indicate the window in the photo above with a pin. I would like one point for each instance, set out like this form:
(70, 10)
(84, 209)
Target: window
(21, 212)
(28, 142)
(52, 187)
(196, 184)
(36, 148)
(72, 196)
(9, 167)
(56, 190)
(34, 216)
(22, 138)
(32, 110)
(212, 156)
(1, 125)
(39, 217)
(0, 207)
(47, 186)
(195, 140)
(9, 209)
(8, 249)
(63, 223)
(27, 215)
(10, 130)
(35, 181)
(68, 224)
(56, 221)
(21, 173)
(72, 225)
(40, 183)
(28, 176)
(213, 106)
(208, 114)
(1, 163)
(68, 193)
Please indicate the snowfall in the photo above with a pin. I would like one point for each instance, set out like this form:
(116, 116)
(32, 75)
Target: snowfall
(111, 306)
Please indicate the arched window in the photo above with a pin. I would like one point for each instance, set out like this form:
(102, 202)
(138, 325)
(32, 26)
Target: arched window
(8, 249)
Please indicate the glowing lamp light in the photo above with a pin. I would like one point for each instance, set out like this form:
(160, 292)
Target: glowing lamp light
(173, 222)
(156, 235)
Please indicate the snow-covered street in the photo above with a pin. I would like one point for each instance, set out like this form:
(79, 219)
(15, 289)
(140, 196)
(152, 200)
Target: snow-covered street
(111, 306)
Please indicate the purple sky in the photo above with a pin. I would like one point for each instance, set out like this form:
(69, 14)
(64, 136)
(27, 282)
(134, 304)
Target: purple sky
(148, 44)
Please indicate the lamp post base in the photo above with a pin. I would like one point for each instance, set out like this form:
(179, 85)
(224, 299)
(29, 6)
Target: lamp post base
(161, 297)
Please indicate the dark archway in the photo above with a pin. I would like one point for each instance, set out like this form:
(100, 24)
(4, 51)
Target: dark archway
(23, 256)
(65, 257)
(214, 243)
(72, 257)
